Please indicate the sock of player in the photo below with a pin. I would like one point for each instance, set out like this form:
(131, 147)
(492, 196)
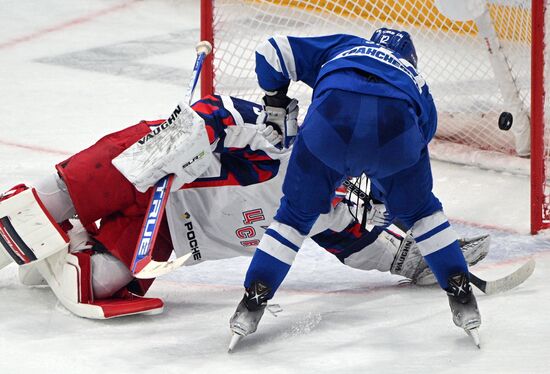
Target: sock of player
(274, 256)
(438, 243)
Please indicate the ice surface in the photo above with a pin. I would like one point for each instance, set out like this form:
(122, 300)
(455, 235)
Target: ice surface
(71, 72)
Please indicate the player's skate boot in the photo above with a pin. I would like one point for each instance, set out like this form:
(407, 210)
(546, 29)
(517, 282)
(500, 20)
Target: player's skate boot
(464, 305)
(249, 312)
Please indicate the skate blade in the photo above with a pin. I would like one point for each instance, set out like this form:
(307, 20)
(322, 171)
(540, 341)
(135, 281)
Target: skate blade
(474, 334)
(235, 338)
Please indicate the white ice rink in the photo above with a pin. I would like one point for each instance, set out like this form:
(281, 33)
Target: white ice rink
(72, 71)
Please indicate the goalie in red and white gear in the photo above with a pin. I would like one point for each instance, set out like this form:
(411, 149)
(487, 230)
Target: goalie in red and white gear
(221, 214)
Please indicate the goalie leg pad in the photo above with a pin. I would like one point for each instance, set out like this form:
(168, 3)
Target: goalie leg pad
(69, 275)
(410, 264)
(378, 255)
(5, 259)
(27, 230)
(30, 276)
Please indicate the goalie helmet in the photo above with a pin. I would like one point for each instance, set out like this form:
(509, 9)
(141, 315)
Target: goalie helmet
(397, 41)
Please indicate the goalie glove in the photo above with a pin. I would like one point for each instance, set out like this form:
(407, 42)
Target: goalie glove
(375, 214)
(270, 134)
(282, 115)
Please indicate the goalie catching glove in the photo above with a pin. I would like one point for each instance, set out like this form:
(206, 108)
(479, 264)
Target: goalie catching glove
(281, 117)
(375, 214)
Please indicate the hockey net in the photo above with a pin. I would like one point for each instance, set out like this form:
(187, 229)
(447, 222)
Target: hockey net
(476, 68)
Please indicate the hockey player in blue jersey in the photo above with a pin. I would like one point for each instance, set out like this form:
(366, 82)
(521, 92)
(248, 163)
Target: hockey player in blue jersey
(371, 113)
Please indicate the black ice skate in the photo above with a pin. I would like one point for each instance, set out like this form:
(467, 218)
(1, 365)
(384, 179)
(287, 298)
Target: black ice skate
(249, 312)
(464, 306)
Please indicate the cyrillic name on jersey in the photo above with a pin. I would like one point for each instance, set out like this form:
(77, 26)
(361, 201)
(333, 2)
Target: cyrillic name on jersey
(387, 57)
(254, 215)
(248, 232)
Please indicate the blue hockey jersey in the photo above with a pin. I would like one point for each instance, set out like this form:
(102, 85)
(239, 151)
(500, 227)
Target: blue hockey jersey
(313, 60)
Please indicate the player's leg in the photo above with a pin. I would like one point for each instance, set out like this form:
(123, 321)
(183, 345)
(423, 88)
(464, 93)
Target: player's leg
(316, 168)
(308, 191)
(96, 189)
(40, 246)
(436, 239)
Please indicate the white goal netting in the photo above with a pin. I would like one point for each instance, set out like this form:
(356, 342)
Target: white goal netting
(453, 57)
(476, 68)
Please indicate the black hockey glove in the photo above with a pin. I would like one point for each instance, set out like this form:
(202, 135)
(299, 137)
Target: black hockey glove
(282, 115)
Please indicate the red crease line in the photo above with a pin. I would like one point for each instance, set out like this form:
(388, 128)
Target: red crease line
(35, 148)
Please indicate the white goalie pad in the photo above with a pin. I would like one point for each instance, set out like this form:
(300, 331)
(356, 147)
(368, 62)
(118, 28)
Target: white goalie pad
(27, 231)
(69, 277)
(178, 146)
(5, 259)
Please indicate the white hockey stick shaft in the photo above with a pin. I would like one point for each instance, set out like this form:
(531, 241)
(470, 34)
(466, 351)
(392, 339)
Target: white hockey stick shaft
(152, 221)
(507, 282)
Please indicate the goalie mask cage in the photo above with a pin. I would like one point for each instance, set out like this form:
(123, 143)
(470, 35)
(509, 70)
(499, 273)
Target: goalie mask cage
(477, 67)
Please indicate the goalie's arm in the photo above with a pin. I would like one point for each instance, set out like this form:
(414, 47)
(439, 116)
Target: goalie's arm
(223, 113)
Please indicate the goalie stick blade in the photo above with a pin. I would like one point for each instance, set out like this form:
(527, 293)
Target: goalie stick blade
(506, 283)
(155, 269)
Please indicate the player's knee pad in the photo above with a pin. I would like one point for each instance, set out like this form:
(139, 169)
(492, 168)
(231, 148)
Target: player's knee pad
(28, 232)
(80, 240)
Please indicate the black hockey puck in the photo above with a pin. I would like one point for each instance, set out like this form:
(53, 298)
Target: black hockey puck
(505, 121)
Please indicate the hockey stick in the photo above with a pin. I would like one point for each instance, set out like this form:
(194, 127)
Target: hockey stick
(143, 265)
(506, 283)
(503, 284)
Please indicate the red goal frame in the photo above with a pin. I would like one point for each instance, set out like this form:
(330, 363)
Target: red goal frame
(540, 214)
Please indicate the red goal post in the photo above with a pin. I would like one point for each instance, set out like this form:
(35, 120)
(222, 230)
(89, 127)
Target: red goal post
(477, 68)
(540, 194)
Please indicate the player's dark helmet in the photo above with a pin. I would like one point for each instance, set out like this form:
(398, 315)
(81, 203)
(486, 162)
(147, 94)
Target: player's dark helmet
(398, 41)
